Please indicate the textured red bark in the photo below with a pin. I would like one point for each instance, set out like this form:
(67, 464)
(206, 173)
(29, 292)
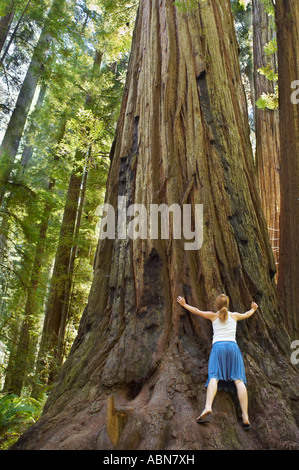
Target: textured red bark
(182, 137)
(287, 15)
(266, 127)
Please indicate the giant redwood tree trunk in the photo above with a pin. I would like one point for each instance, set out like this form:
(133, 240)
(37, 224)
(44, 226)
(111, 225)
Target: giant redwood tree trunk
(266, 127)
(135, 376)
(287, 15)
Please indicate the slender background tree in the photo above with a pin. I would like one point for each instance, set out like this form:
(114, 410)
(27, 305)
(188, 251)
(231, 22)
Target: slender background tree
(287, 17)
(267, 118)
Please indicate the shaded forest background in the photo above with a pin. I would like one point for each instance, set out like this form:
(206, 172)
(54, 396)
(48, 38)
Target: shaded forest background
(63, 67)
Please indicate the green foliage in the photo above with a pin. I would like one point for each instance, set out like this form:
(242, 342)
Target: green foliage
(271, 47)
(242, 12)
(30, 17)
(243, 23)
(268, 100)
(269, 7)
(269, 73)
(16, 414)
(240, 5)
(74, 127)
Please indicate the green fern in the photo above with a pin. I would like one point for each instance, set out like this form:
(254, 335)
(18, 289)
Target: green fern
(16, 414)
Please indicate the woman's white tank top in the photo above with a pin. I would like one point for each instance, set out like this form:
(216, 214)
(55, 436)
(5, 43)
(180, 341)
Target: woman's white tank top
(224, 331)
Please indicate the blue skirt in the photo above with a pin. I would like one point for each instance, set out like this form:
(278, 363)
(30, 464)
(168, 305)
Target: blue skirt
(226, 364)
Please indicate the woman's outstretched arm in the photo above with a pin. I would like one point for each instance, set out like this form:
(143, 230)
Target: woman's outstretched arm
(242, 316)
(208, 315)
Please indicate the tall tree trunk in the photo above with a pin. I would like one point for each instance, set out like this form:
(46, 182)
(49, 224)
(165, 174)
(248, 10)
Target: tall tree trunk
(14, 334)
(55, 305)
(23, 361)
(70, 271)
(13, 34)
(28, 147)
(135, 376)
(26, 155)
(56, 312)
(5, 22)
(15, 128)
(267, 127)
(287, 15)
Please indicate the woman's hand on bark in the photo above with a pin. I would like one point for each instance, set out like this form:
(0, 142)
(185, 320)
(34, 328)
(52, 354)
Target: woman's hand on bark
(181, 301)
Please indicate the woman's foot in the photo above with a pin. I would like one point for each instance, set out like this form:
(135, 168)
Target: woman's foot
(246, 424)
(204, 414)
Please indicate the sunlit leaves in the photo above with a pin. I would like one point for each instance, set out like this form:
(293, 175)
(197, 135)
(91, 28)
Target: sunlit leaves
(268, 101)
(269, 73)
(271, 47)
(269, 6)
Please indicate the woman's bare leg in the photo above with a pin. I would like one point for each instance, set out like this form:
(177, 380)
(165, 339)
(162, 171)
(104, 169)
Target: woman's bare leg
(243, 399)
(211, 393)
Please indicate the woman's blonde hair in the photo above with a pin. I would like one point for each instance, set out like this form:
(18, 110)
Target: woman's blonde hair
(222, 302)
